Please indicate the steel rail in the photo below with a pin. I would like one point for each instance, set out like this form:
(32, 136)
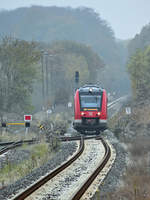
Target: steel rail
(12, 145)
(41, 182)
(5, 143)
(89, 181)
(72, 138)
(21, 141)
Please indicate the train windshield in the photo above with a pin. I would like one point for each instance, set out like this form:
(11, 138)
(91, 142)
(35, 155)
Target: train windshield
(90, 101)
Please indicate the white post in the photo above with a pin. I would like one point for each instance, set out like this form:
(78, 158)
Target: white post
(26, 131)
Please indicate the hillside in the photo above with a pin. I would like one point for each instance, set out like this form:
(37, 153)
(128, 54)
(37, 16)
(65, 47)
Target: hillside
(133, 130)
(53, 23)
(140, 41)
(83, 25)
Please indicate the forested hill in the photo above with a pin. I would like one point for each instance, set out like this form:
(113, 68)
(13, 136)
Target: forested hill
(55, 23)
(138, 65)
(140, 41)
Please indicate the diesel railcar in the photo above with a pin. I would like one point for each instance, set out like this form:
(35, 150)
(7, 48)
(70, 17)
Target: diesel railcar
(90, 109)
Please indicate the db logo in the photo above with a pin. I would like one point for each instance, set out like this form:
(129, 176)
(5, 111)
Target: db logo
(90, 114)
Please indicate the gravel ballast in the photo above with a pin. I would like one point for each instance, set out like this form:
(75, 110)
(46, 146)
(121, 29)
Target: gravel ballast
(66, 150)
(64, 185)
(112, 181)
(14, 156)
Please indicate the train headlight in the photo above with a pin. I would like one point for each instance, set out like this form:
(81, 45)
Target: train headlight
(82, 113)
(98, 113)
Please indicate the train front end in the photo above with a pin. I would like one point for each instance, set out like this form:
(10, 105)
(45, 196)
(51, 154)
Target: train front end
(90, 109)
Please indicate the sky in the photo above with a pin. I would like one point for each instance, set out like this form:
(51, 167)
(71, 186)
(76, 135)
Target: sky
(126, 17)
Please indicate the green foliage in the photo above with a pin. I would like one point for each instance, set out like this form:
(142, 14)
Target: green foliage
(139, 71)
(74, 63)
(139, 63)
(78, 56)
(66, 58)
(18, 61)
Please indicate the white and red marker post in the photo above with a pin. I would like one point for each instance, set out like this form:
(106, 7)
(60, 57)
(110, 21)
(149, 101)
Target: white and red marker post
(27, 119)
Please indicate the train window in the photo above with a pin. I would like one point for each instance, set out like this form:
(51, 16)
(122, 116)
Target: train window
(93, 101)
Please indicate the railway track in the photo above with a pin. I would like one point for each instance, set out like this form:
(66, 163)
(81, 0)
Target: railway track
(92, 177)
(34, 189)
(37, 185)
(79, 191)
(6, 146)
(12, 145)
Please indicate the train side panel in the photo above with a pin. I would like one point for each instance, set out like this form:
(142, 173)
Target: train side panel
(77, 113)
(103, 115)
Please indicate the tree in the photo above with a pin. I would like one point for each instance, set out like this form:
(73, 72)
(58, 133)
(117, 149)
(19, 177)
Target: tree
(18, 64)
(139, 71)
(66, 57)
(82, 25)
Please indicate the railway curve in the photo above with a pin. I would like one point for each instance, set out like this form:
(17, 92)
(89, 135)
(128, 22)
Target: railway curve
(62, 186)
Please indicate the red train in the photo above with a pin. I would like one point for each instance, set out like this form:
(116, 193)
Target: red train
(90, 109)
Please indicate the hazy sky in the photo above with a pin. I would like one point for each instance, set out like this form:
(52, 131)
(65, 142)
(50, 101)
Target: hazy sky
(126, 17)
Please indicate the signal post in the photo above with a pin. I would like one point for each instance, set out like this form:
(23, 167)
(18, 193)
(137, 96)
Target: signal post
(27, 119)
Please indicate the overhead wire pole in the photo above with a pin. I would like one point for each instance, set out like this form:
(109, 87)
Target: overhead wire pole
(51, 76)
(47, 76)
(76, 79)
(47, 81)
(44, 60)
(43, 84)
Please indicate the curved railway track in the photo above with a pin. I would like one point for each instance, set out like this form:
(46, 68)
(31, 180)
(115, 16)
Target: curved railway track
(12, 145)
(92, 177)
(87, 183)
(35, 186)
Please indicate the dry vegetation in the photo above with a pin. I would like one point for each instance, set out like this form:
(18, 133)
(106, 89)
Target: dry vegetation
(136, 180)
(6, 136)
(123, 125)
(39, 154)
(135, 183)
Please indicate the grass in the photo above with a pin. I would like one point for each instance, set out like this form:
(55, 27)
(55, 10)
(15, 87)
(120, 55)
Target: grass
(39, 155)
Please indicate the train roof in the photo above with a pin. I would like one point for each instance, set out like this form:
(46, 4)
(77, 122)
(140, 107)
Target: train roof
(90, 88)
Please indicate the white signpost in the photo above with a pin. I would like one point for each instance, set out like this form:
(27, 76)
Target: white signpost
(49, 111)
(69, 105)
(128, 110)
